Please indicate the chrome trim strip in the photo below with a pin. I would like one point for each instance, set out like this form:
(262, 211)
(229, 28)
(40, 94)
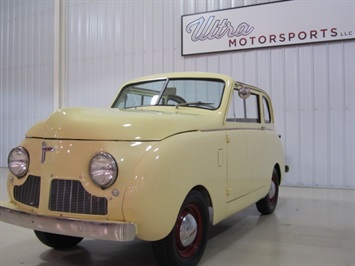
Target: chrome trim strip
(104, 230)
(244, 128)
(229, 129)
(213, 129)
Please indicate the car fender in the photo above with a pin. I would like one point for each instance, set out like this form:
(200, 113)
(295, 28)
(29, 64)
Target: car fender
(166, 174)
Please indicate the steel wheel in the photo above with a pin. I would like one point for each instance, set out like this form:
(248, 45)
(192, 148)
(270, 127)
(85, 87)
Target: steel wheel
(267, 205)
(187, 241)
(188, 231)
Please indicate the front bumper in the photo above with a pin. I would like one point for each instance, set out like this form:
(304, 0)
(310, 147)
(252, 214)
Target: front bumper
(104, 230)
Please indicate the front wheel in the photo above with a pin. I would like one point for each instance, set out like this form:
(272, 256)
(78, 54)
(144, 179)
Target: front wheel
(186, 243)
(57, 241)
(267, 205)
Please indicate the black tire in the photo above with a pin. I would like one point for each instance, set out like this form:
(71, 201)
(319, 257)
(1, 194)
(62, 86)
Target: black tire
(267, 205)
(186, 243)
(57, 241)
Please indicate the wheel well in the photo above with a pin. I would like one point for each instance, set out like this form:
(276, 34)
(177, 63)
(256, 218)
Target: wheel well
(205, 194)
(277, 168)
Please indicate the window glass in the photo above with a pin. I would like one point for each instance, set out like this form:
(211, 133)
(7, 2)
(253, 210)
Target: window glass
(196, 93)
(244, 110)
(140, 94)
(192, 90)
(266, 108)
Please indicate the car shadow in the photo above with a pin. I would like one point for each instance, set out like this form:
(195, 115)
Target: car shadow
(232, 230)
(98, 252)
(138, 252)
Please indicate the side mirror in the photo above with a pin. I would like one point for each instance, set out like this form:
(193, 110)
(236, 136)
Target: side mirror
(244, 92)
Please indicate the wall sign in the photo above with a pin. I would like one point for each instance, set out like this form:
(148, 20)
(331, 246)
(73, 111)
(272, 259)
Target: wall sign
(267, 25)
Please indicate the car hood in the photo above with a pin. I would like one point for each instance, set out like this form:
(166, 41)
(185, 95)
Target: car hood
(118, 125)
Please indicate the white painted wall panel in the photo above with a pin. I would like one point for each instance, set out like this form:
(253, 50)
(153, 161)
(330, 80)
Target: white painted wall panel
(336, 118)
(349, 114)
(26, 62)
(321, 99)
(109, 42)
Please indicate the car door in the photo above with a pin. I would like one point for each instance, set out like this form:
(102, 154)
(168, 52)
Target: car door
(245, 145)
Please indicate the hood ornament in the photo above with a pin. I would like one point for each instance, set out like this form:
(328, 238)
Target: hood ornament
(45, 149)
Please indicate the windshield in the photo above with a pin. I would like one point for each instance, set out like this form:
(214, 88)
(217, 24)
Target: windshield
(199, 93)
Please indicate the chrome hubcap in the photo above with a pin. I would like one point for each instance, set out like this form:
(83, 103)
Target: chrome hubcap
(188, 230)
(272, 190)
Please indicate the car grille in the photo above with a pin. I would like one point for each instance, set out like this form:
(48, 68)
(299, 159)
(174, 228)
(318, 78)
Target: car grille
(70, 196)
(28, 193)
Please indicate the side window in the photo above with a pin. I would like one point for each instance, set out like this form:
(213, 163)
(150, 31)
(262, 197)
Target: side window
(267, 114)
(244, 110)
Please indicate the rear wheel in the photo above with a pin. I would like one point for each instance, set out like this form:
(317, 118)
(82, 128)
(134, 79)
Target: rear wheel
(186, 243)
(267, 205)
(57, 241)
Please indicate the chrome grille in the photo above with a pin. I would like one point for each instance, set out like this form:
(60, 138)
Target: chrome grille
(28, 193)
(71, 196)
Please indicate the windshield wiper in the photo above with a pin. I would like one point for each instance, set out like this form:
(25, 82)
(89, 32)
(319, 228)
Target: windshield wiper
(197, 103)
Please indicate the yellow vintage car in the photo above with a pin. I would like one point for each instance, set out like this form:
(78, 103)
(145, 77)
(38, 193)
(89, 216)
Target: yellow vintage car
(174, 154)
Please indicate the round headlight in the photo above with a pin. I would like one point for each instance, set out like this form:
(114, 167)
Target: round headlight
(103, 169)
(18, 161)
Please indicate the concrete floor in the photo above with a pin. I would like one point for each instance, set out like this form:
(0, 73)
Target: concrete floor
(309, 227)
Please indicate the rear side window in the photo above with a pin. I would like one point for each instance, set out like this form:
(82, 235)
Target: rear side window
(244, 110)
(266, 109)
